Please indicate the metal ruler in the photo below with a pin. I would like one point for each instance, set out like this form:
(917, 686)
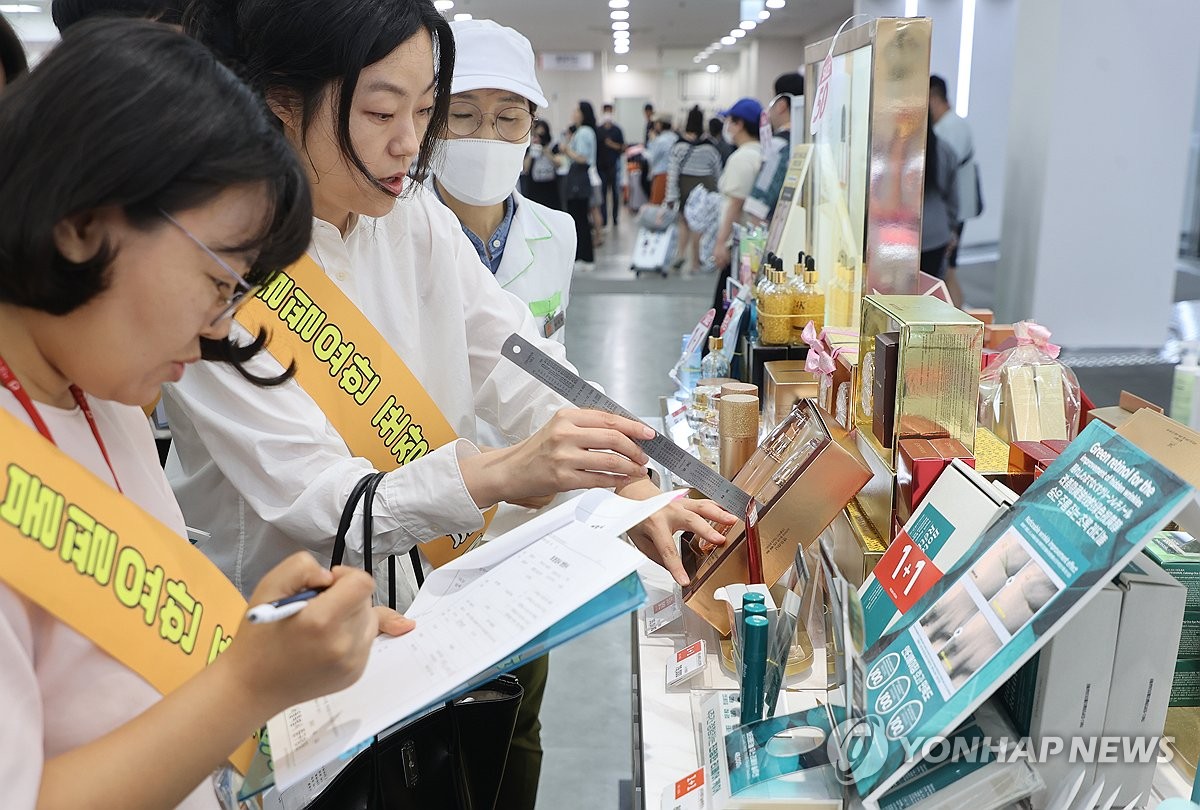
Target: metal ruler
(578, 392)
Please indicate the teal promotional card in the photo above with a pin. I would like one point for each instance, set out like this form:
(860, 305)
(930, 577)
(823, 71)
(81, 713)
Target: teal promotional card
(1072, 532)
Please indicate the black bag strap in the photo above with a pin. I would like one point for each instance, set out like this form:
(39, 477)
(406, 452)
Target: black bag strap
(418, 571)
(369, 522)
(365, 490)
(339, 542)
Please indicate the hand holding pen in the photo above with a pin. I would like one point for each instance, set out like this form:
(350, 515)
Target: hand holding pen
(281, 608)
(311, 644)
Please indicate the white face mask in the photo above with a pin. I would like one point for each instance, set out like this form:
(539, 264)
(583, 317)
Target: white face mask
(480, 171)
(726, 135)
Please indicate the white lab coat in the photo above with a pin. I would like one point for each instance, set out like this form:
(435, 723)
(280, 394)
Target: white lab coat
(539, 258)
(265, 472)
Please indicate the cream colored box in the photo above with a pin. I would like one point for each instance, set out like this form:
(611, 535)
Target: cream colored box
(786, 382)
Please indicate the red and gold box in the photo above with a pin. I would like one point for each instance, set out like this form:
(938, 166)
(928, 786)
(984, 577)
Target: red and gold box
(918, 465)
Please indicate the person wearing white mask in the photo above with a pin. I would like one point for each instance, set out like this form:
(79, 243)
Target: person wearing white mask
(363, 96)
(495, 93)
(530, 249)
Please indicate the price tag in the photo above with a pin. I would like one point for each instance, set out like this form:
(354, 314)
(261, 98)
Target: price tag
(906, 572)
(689, 793)
(687, 663)
(664, 613)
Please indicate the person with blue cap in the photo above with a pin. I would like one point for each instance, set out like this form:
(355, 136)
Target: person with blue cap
(741, 170)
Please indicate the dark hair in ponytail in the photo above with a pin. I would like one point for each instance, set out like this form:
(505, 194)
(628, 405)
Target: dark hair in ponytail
(295, 50)
(135, 115)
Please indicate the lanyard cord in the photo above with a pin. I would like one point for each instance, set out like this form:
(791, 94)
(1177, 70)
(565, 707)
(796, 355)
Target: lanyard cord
(11, 382)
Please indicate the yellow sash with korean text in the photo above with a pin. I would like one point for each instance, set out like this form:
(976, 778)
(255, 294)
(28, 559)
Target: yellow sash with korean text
(369, 395)
(100, 564)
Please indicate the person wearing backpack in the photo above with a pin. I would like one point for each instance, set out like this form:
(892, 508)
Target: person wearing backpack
(953, 129)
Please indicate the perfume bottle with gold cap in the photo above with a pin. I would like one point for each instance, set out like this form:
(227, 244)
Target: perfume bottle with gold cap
(844, 294)
(715, 363)
(808, 302)
(775, 310)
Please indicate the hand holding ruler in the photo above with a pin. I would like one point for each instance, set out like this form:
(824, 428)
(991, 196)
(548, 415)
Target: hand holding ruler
(581, 394)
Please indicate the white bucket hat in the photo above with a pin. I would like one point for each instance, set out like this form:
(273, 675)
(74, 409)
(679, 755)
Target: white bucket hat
(491, 56)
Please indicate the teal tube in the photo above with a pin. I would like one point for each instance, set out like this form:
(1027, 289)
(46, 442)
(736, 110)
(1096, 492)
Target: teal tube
(753, 597)
(755, 630)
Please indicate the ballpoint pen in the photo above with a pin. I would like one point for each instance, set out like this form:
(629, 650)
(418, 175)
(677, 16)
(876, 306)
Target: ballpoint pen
(281, 608)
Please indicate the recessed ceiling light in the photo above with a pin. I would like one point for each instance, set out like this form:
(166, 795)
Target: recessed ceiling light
(620, 26)
(462, 17)
(747, 25)
(728, 41)
(443, 5)
(621, 68)
(618, 3)
(713, 68)
(619, 15)
(696, 59)
(620, 35)
(764, 15)
(621, 49)
(776, 3)
(737, 32)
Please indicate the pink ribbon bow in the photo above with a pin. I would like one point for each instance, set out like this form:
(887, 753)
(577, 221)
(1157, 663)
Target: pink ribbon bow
(820, 360)
(1031, 333)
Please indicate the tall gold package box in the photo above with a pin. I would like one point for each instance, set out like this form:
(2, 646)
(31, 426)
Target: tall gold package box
(937, 369)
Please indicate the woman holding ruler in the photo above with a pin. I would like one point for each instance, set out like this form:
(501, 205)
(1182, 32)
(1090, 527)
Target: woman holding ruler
(395, 327)
(393, 323)
(119, 265)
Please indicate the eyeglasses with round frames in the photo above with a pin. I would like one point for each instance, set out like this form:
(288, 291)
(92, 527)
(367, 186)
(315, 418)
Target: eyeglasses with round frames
(243, 290)
(512, 124)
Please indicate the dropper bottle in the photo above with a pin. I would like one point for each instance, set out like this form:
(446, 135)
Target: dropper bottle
(808, 302)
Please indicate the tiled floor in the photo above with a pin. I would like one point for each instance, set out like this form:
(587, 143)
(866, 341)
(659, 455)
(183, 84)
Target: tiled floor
(625, 333)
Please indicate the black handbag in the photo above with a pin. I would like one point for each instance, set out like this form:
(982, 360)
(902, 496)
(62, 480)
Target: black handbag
(452, 758)
(578, 185)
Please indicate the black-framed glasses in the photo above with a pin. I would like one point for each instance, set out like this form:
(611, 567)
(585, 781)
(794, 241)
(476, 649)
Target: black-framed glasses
(512, 124)
(243, 290)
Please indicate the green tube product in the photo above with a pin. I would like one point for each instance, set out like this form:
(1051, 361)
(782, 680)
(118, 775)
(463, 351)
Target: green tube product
(755, 630)
(751, 609)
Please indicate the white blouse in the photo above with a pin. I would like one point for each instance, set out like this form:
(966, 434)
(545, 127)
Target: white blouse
(266, 474)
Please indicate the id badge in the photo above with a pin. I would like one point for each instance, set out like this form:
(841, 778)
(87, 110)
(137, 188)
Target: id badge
(553, 323)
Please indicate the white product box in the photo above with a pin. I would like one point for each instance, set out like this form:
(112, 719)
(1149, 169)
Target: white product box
(1143, 668)
(1063, 692)
(960, 505)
